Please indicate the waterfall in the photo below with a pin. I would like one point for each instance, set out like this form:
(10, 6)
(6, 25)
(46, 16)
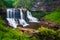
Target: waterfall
(31, 18)
(22, 21)
(10, 18)
(16, 17)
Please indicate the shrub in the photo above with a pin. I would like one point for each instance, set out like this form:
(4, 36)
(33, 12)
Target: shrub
(13, 35)
(48, 34)
(58, 35)
(38, 14)
(34, 38)
(24, 3)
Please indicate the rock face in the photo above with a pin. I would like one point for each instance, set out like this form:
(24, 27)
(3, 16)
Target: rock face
(45, 6)
(37, 5)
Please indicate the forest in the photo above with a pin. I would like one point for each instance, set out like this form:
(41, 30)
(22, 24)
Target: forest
(46, 11)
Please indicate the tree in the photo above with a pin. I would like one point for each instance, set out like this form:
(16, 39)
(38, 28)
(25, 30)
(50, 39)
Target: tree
(9, 3)
(24, 3)
(2, 4)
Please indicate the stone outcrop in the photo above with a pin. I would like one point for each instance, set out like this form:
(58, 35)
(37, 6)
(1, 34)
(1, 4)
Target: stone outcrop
(40, 6)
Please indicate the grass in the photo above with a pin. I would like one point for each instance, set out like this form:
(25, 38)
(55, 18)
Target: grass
(54, 16)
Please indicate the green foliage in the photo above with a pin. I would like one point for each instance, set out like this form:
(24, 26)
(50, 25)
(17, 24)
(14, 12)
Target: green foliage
(47, 33)
(54, 16)
(9, 3)
(7, 33)
(2, 4)
(38, 14)
(58, 35)
(34, 38)
(13, 35)
(47, 1)
(2, 26)
(24, 3)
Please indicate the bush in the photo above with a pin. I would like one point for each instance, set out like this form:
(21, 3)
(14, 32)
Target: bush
(13, 35)
(2, 25)
(48, 34)
(34, 38)
(24, 3)
(58, 35)
(38, 14)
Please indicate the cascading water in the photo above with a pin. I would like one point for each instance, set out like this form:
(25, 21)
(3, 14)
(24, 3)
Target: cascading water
(16, 17)
(31, 18)
(10, 18)
(22, 21)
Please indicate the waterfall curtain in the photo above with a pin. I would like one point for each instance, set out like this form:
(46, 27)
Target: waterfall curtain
(14, 14)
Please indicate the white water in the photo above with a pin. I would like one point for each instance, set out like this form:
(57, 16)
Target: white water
(13, 21)
(31, 18)
(22, 21)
